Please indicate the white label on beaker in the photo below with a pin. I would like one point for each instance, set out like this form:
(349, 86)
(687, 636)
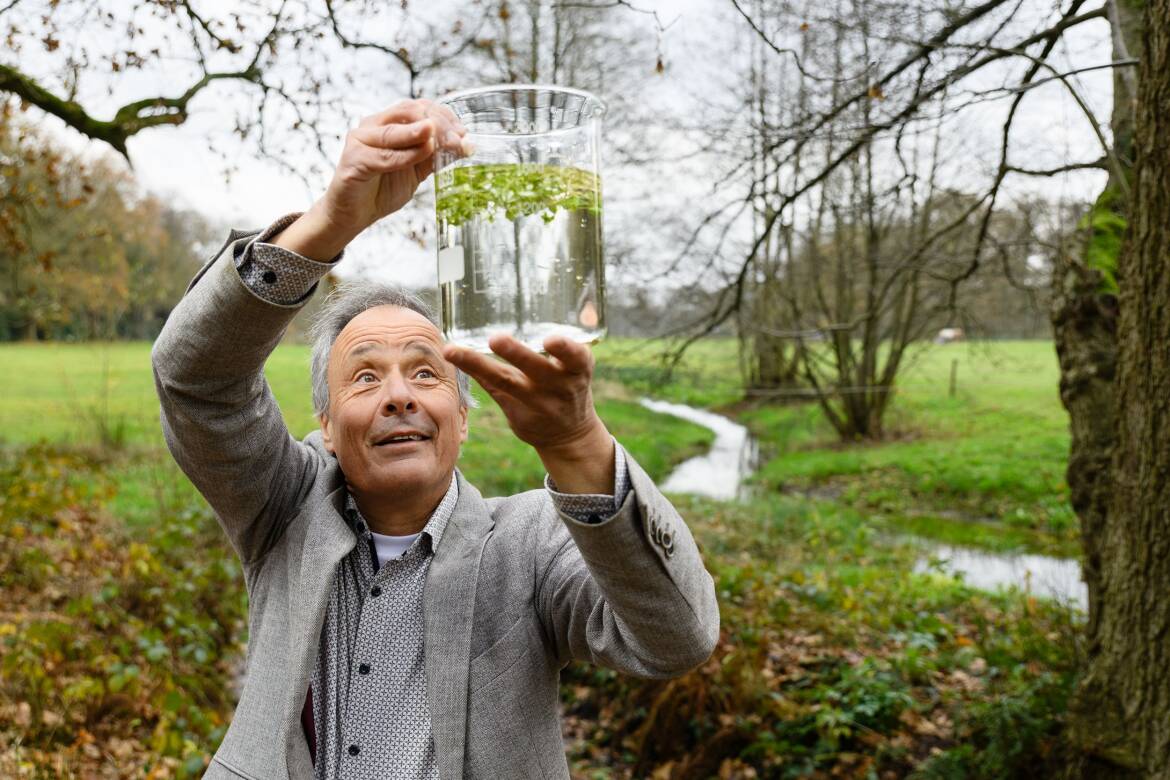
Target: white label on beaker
(451, 264)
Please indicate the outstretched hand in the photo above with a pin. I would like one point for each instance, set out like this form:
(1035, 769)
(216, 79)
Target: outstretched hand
(548, 401)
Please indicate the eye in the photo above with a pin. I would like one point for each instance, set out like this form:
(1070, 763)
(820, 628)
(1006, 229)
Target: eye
(424, 373)
(365, 377)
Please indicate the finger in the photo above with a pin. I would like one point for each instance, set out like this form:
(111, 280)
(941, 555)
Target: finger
(503, 398)
(576, 358)
(382, 160)
(452, 142)
(445, 141)
(449, 122)
(448, 129)
(428, 166)
(394, 136)
(404, 111)
(449, 115)
(532, 363)
(488, 372)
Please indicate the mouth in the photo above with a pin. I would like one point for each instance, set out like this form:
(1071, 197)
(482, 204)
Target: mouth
(401, 438)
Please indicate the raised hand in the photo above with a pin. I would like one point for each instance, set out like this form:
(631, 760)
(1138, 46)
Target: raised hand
(386, 157)
(384, 160)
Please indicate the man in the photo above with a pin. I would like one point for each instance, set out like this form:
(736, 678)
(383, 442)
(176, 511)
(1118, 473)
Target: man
(400, 625)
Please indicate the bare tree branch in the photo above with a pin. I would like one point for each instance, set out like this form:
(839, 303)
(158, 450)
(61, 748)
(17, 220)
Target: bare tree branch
(1099, 164)
(128, 120)
(783, 51)
(659, 25)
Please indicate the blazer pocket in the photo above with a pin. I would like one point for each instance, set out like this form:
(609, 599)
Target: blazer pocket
(221, 769)
(506, 652)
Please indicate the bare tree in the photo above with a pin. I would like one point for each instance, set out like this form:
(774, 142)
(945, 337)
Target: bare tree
(61, 55)
(768, 359)
(878, 245)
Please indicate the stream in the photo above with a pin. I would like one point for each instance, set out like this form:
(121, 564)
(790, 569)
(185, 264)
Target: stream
(722, 472)
(1040, 575)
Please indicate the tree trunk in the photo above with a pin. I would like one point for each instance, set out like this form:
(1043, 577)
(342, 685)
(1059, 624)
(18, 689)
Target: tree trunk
(1120, 720)
(774, 365)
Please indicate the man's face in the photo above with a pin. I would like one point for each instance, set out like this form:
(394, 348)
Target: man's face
(395, 422)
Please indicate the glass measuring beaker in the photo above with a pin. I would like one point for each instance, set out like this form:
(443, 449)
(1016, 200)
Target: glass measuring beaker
(519, 219)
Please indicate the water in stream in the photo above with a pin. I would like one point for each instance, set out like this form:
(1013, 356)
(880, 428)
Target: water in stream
(1040, 575)
(721, 473)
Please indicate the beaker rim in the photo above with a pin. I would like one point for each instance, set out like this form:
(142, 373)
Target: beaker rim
(464, 93)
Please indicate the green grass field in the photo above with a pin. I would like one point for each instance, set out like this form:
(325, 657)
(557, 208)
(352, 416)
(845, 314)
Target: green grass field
(983, 468)
(101, 397)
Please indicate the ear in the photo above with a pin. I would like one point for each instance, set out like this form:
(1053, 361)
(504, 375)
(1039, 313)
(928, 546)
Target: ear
(463, 410)
(326, 433)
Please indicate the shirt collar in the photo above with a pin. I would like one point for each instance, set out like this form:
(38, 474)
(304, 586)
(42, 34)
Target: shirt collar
(432, 531)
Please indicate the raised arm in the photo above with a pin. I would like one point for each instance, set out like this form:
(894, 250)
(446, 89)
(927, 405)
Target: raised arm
(219, 417)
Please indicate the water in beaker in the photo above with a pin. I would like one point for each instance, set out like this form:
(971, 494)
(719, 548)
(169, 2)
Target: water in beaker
(520, 238)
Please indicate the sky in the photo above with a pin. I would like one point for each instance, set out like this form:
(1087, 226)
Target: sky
(186, 163)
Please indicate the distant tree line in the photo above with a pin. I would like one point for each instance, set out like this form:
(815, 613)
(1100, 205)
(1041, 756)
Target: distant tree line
(84, 254)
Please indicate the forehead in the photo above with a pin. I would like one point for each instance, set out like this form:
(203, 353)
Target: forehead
(389, 326)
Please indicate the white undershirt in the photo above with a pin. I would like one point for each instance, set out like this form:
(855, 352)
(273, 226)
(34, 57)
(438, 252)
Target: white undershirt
(388, 547)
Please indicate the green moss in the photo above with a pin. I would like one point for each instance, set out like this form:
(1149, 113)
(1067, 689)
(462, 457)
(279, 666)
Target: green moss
(1106, 227)
(517, 190)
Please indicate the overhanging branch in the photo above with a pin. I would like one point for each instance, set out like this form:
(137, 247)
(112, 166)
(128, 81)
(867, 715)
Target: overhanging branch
(128, 120)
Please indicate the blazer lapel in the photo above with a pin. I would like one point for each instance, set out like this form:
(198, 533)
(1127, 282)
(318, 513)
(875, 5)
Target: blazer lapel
(449, 602)
(326, 540)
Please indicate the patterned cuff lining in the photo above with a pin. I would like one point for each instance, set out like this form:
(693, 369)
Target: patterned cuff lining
(594, 508)
(278, 275)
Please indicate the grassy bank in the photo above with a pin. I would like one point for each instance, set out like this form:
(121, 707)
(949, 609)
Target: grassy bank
(982, 467)
(835, 660)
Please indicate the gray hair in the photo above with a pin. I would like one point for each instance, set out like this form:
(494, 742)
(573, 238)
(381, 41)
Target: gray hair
(346, 301)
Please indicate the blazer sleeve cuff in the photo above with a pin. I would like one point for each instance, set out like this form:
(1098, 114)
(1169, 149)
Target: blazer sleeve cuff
(594, 508)
(278, 275)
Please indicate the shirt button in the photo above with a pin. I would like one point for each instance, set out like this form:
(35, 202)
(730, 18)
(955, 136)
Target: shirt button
(269, 277)
(354, 750)
(364, 669)
(375, 591)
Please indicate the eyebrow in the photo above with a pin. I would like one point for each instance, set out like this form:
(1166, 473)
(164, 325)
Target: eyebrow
(423, 347)
(363, 349)
(414, 346)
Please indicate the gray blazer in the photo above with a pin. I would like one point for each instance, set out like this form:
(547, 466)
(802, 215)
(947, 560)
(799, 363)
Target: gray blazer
(515, 591)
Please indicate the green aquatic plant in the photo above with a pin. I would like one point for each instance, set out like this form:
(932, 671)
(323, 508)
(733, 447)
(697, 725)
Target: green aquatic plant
(517, 190)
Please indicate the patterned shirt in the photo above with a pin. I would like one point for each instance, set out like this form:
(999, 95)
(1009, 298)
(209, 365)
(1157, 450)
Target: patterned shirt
(369, 683)
(370, 717)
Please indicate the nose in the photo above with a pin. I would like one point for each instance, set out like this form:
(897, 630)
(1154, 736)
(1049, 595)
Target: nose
(397, 395)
